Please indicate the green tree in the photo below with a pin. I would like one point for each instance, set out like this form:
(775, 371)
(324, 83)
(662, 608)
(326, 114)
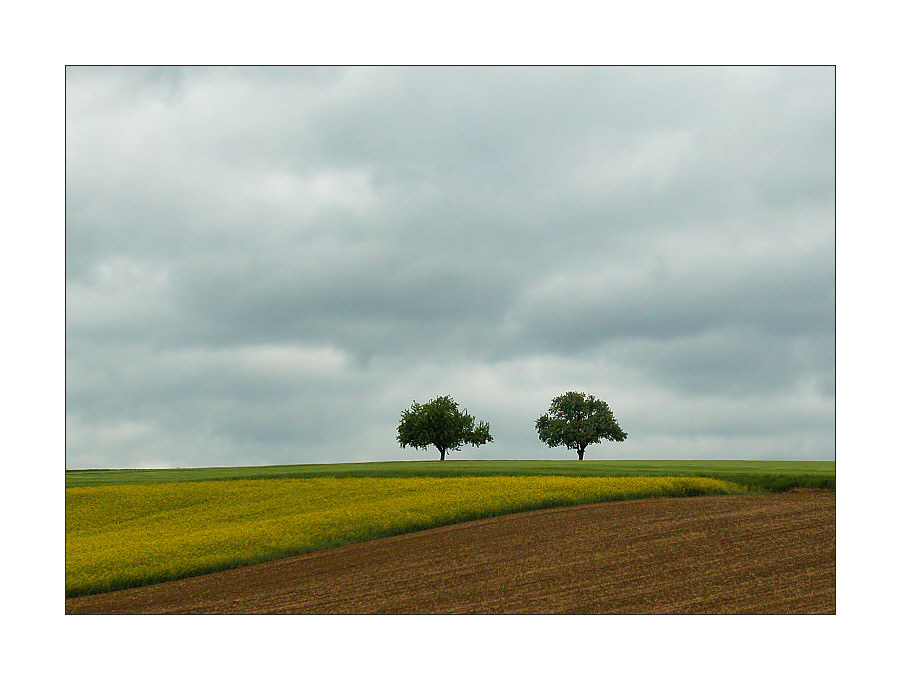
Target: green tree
(575, 421)
(441, 423)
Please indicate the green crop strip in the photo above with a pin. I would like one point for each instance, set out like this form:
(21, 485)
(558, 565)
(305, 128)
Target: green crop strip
(761, 475)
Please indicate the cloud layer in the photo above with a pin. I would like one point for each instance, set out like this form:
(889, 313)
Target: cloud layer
(266, 265)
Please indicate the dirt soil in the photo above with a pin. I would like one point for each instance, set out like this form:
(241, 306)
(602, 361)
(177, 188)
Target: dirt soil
(754, 554)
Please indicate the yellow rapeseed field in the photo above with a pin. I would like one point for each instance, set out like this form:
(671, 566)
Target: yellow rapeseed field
(126, 535)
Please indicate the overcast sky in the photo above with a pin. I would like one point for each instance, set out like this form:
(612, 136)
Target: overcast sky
(267, 265)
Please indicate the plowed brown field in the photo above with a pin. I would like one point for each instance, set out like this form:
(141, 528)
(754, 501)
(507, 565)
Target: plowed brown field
(755, 554)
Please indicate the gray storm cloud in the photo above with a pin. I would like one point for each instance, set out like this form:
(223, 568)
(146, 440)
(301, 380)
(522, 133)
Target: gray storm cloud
(266, 265)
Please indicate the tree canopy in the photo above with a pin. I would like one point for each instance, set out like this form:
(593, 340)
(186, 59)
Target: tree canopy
(575, 420)
(440, 423)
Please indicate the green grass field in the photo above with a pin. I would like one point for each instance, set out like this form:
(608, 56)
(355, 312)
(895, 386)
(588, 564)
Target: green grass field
(118, 536)
(760, 475)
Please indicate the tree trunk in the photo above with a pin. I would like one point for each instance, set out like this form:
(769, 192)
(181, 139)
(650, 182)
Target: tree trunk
(442, 453)
(581, 453)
